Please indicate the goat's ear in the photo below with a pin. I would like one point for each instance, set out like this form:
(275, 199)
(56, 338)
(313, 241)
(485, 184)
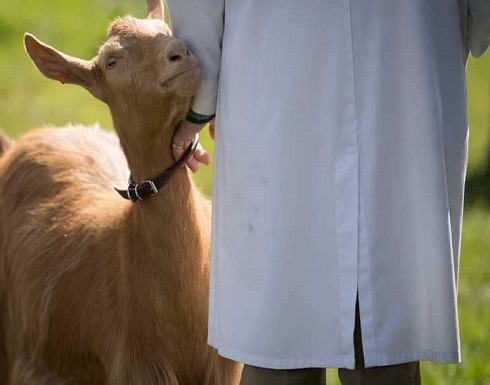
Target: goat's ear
(156, 9)
(58, 66)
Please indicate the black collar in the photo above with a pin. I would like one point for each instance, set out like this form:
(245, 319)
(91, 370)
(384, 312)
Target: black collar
(150, 187)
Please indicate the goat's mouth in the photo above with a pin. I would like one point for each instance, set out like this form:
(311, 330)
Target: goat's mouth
(178, 75)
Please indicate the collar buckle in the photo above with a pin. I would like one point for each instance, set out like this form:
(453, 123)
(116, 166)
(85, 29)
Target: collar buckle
(153, 188)
(139, 191)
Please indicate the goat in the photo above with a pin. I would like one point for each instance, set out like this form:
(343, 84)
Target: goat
(95, 289)
(5, 143)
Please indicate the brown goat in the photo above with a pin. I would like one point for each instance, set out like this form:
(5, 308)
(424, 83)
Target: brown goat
(5, 143)
(95, 289)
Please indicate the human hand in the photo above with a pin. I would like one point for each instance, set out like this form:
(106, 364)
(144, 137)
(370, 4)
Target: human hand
(212, 124)
(182, 139)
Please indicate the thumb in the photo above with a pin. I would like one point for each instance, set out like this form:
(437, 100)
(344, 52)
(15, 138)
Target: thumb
(183, 137)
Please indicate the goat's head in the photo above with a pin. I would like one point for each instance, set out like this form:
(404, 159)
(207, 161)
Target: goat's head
(140, 65)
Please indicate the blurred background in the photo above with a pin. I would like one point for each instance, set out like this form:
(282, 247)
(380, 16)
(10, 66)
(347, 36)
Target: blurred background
(28, 100)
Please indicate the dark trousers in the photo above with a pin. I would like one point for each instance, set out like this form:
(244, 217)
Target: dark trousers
(403, 374)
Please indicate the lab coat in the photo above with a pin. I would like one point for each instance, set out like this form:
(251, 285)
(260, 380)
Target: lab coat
(340, 158)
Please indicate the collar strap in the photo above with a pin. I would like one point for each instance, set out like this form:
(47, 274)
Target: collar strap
(150, 187)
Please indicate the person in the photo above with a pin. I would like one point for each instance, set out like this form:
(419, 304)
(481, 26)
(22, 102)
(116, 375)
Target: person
(340, 155)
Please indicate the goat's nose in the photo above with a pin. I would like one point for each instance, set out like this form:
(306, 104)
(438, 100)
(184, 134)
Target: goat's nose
(176, 51)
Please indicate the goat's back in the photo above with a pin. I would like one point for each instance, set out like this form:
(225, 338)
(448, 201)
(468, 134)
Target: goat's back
(79, 157)
(55, 187)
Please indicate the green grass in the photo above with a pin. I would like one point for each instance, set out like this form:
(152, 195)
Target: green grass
(28, 100)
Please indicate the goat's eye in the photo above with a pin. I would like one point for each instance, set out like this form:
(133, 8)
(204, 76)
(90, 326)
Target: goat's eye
(110, 63)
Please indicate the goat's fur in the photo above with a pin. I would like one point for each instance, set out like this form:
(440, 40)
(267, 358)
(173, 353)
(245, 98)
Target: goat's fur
(94, 289)
(5, 142)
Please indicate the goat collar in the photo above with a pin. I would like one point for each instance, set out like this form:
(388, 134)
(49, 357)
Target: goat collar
(150, 187)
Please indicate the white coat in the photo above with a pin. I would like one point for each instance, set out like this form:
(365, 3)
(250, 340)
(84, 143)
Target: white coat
(340, 159)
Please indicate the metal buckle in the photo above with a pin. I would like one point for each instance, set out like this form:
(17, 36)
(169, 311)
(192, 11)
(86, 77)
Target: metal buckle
(133, 187)
(153, 188)
(136, 192)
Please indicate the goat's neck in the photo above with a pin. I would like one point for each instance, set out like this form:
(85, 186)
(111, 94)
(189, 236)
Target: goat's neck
(166, 237)
(146, 139)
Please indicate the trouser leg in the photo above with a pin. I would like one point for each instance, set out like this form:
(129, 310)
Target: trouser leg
(402, 374)
(253, 375)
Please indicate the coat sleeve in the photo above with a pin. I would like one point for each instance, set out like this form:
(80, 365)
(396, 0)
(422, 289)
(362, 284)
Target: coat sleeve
(200, 24)
(475, 24)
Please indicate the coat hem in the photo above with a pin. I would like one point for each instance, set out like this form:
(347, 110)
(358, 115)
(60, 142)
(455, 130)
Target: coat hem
(439, 357)
(332, 362)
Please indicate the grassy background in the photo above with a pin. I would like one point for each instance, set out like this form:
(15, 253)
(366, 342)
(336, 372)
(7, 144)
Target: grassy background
(28, 100)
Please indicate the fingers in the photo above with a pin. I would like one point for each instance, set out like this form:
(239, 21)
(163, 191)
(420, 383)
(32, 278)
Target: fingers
(183, 137)
(212, 128)
(202, 156)
(193, 164)
(199, 156)
(179, 146)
